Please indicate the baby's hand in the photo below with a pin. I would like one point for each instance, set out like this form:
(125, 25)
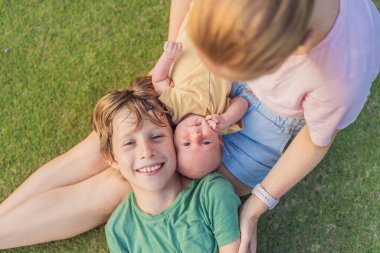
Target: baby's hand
(216, 122)
(172, 49)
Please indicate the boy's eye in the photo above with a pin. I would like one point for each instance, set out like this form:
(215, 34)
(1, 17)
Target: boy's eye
(206, 142)
(157, 137)
(128, 143)
(186, 143)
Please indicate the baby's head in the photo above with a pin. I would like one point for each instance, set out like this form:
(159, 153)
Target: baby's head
(198, 147)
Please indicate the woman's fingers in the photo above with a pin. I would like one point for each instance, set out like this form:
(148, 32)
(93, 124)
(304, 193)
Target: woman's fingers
(248, 227)
(248, 241)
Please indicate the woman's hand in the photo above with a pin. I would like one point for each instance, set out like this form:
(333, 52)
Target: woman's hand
(249, 216)
(248, 241)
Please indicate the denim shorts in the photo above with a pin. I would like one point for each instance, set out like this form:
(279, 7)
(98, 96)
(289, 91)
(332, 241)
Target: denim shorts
(252, 152)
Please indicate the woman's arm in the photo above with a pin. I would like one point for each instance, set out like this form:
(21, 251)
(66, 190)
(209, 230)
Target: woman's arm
(288, 171)
(81, 162)
(178, 11)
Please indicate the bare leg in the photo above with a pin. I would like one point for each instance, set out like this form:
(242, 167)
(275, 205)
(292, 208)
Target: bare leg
(63, 212)
(81, 162)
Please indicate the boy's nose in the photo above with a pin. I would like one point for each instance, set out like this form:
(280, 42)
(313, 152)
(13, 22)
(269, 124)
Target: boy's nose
(146, 150)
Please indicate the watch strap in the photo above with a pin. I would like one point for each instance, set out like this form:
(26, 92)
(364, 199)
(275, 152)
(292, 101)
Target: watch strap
(264, 196)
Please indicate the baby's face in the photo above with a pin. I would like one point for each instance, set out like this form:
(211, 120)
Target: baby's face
(198, 147)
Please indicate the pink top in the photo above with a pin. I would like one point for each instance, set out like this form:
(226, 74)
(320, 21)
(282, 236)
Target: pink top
(330, 85)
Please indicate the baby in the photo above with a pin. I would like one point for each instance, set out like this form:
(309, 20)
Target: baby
(200, 107)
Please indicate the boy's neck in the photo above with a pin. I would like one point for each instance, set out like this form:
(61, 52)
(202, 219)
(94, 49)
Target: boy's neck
(322, 21)
(155, 202)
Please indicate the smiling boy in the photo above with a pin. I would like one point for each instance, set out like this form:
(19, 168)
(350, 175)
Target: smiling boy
(165, 212)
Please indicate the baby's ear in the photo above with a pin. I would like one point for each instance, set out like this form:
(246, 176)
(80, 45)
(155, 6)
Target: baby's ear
(221, 140)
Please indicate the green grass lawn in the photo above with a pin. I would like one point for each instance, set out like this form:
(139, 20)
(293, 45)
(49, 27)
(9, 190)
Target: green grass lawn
(58, 57)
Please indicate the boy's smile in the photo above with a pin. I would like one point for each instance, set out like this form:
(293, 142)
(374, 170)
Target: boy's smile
(151, 169)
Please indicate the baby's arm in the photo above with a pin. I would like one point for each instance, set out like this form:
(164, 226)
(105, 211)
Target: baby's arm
(235, 111)
(160, 73)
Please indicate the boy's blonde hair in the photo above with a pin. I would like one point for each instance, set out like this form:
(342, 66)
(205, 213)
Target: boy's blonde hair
(249, 37)
(141, 100)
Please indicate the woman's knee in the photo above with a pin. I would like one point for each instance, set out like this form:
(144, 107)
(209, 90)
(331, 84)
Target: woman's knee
(90, 144)
(86, 154)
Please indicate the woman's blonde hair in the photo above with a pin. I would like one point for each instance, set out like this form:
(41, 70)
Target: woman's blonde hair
(249, 37)
(141, 101)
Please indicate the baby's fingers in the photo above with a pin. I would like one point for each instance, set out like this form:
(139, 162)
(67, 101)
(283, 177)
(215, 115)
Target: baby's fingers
(170, 46)
(213, 125)
(214, 117)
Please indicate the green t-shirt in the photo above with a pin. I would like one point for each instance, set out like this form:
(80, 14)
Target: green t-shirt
(203, 218)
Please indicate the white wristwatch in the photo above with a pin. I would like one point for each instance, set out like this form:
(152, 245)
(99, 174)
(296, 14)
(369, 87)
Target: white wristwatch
(264, 196)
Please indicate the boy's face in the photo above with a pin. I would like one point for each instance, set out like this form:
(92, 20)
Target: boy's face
(145, 156)
(198, 147)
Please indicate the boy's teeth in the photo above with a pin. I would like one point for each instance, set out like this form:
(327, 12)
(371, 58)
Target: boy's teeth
(150, 169)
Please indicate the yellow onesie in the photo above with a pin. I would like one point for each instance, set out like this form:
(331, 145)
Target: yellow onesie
(196, 90)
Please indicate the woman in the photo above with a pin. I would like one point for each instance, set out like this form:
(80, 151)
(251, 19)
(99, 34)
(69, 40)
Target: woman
(315, 59)
(89, 179)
